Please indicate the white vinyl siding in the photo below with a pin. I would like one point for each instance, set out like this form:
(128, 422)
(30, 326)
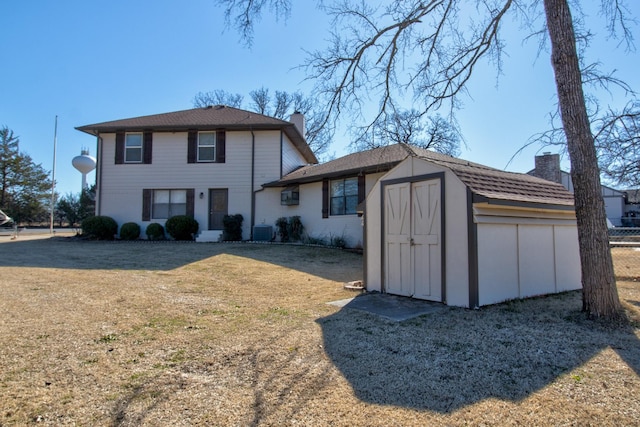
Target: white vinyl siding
(121, 189)
(291, 157)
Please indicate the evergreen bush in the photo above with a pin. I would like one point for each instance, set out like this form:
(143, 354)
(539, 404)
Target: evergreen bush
(181, 227)
(129, 231)
(232, 230)
(155, 231)
(100, 227)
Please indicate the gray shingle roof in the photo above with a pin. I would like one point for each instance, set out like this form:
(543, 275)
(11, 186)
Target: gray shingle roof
(219, 116)
(497, 184)
(484, 181)
(369, 161)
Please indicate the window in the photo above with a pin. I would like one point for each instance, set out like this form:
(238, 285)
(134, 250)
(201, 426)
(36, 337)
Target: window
(344, 196)
(133, 148)
(168, 203)
(207, 147)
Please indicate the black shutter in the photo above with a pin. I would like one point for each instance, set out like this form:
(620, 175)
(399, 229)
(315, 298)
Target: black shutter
(147, 147)
(192, 146)
(325, 198)
(220, 146)
(191, 193)
(361, 188)
(146, 205)
(119, 148)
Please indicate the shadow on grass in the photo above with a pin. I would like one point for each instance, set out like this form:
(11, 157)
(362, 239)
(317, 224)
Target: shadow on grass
(448, 360)
(272, 383)
(70, 253)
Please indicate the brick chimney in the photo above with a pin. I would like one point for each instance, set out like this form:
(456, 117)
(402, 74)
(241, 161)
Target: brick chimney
(548, 167)
(297, 119)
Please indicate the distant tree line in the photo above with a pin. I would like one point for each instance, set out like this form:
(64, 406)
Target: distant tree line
(25, 187)
(72, 209)
(404, 126)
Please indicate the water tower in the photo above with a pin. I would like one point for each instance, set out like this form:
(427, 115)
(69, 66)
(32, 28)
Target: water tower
(85, 164)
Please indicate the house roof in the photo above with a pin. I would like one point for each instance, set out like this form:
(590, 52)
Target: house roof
(380, 159)
(485, 182)
(211, 117)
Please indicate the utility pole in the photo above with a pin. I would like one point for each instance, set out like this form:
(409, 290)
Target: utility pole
(53, 175)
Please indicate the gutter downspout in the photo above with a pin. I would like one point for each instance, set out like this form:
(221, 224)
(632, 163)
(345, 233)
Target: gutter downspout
(98, 196)
(253, 193)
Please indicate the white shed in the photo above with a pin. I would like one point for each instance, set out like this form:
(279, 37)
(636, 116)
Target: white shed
(444, 229)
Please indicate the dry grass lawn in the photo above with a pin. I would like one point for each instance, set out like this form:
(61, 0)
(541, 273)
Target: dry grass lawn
(143, 334)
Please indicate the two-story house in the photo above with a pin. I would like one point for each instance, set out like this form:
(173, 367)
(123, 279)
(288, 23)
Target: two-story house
(203, 162)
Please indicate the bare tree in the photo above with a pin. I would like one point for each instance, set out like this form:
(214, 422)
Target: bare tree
(260, 100)
(600, 296)
(617, 139)
(318, 134)
(409, 127)
(283, 103)
(217, 97)
(368, 56)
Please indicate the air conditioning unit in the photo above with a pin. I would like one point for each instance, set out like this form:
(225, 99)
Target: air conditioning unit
(290, 196)
(262, 233)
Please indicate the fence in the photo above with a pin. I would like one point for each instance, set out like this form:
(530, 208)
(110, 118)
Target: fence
(625, 250)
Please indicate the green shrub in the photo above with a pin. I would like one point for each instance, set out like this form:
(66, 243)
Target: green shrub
(100, 227)
(155, 231)
(232, 227)
(129, 231)
(181, 227)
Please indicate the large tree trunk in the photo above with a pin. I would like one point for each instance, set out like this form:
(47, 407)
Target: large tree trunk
(600, 295)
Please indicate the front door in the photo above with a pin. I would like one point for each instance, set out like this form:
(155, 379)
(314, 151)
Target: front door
(413, 239)
(218, 207)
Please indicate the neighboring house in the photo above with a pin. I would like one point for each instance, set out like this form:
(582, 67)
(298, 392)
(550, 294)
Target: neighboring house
(547, 166)
(204, 162)
(447, 230)
(631, 216)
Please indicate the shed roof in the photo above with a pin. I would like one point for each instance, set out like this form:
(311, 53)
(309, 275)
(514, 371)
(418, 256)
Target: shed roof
(485, 182)
(211, 117)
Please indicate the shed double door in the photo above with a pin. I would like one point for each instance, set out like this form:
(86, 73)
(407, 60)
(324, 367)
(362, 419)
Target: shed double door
(413, 239)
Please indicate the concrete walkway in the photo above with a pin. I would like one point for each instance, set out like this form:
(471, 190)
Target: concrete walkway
(390, 307)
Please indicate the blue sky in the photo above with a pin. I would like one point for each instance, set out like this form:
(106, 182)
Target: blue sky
(94, 61)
